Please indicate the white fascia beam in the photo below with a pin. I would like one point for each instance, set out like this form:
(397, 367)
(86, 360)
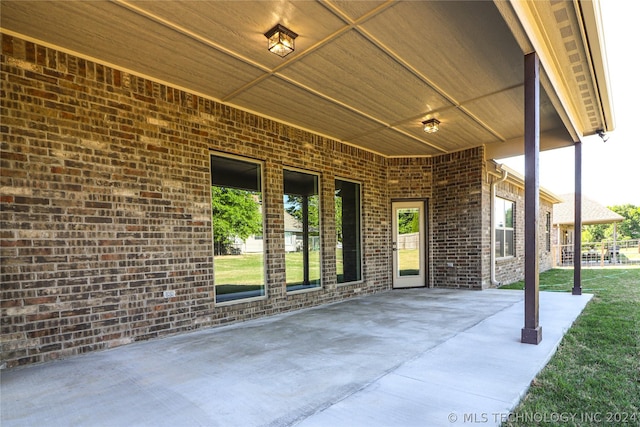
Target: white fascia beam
(528, 30)
(594, 34)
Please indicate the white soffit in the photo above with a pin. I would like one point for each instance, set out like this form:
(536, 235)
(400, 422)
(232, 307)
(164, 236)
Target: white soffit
(574, 69)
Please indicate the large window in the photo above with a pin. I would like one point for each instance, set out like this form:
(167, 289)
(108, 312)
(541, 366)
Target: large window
(302, 230)
(504, 220)
(236, 200)
(348, 254)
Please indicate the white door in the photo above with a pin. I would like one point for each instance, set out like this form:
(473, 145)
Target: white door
(409, 254)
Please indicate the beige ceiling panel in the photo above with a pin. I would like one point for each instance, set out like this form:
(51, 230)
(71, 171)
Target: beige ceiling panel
(353, 71)
(393, 143)
(363, 72)
(464, 48)
(239, 26)
(354, 10)
(276, 98)
(549, 118)
(503, 112)
(138, 44)
(457, 131)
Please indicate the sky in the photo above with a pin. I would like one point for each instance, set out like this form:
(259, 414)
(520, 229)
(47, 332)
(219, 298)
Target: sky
(610, 170)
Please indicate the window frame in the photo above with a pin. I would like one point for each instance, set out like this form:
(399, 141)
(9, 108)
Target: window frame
(503, 253)
(318, 178)
(265, 288)
(548, 231)
(360, 234)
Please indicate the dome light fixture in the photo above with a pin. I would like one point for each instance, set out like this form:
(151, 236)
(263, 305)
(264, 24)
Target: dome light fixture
(281, 40)
(431, 125)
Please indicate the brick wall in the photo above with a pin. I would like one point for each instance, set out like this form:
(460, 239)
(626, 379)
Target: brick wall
(106, 204)
(457, 224)
(511, 269)
(105, 197)
(453, 186)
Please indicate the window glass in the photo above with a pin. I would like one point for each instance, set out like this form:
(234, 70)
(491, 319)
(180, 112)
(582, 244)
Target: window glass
(499, 212)
(499, 243)
(504, 210)
(408, 241)
(302, 230)
(508, 214)
(509, 250)
(547, 231)
(348, 253)
(236, 200)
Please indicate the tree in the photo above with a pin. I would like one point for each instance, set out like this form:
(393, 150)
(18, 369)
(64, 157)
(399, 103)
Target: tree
(596, 232)
(293, 205)
(236, 214)
(338, 206)
(629, 228)
(408, 222)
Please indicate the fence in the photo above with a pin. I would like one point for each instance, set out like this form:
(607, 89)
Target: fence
(599, 254)
(409, 241)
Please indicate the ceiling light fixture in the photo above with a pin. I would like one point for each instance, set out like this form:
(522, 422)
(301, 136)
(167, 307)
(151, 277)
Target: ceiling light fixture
(431, 125)
(281, 40)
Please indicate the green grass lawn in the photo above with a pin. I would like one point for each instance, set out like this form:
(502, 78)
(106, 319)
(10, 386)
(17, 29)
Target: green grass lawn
(228, 267)
(409, 261)
(235, 273)
(595, 374)
(631, 254)
(339, 262)
(238, 273)
(294, 266)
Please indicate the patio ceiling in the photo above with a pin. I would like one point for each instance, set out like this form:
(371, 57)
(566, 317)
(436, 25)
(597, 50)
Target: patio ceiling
(366, 73)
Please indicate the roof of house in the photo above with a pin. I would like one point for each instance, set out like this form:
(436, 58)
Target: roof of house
(592, 212)
(516, 178)
(291, 223)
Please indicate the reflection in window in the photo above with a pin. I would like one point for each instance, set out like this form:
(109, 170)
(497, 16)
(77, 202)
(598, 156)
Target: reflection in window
(505, 236)
(236, 200)
(547, 232)
(348, 258)
(302, 230)
(408, 241)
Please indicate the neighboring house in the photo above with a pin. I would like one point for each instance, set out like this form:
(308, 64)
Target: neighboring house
(119, 117)
(564, 224)
(253, 244)
(292, 233)
(292, 238)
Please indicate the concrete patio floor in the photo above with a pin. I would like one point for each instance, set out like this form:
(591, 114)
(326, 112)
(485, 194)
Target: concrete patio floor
(415, 357)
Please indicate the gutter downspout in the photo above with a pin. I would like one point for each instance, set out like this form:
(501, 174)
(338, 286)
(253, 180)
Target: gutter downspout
(493, 226)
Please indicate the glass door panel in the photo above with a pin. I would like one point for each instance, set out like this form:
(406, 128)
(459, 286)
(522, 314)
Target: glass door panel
(408, 244)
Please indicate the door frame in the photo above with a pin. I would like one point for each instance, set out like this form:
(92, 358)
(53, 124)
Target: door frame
(423, 278)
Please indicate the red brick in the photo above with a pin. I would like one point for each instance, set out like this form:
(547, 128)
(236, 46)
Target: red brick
(98, 197)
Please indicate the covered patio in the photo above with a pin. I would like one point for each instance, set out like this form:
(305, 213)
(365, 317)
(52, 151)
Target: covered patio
(119, 116)
(395, 358)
